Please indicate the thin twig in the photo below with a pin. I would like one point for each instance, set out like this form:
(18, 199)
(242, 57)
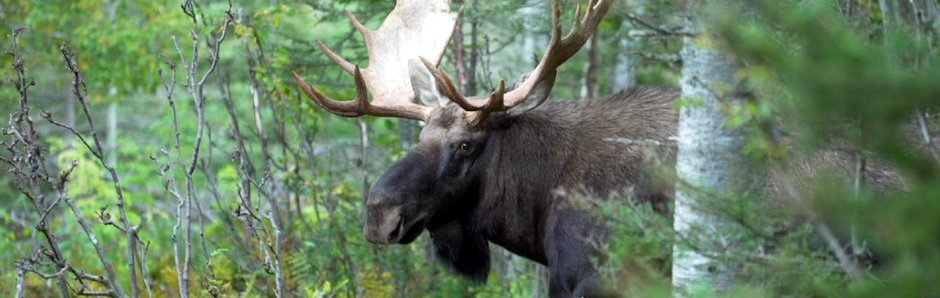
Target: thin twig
(824, 231)
(112, 279)
(195, 85)
(643, 142)
(79, 90)
(860, 169)
(928, 137)
(275, 263)
(49, 117)
(274, 216)
(668, 58)
(144, 269)
(661, 31)
(169, 181)
(31, 177)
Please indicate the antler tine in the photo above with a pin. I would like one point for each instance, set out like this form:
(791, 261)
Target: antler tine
(494, 104)
(584, 29)
(560, 49)
(366, 33)
(353, 108)
(348, 67)
(342, 62)
(539, 82)
(360, 105)
(412, 29)
(449, 88)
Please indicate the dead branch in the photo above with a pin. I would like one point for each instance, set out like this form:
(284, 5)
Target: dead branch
(195, 84)
(927, 135)
(661, 31)
(846, 263)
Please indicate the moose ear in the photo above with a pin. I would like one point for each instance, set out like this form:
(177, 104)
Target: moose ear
(424, 85)
(537, 97)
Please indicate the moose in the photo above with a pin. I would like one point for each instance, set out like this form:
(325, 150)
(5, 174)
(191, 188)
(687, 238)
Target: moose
(501, 168)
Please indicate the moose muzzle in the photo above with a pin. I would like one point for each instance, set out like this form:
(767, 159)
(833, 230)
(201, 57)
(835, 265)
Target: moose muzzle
(384, 225)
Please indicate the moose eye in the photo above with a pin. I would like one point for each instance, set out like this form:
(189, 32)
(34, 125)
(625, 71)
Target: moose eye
(465, 147)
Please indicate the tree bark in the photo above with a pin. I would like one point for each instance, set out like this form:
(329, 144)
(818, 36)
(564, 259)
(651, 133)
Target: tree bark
(624, 70)
(710, 166)
(363, 155)
(532, 41)
(112, 130)
(589, 89)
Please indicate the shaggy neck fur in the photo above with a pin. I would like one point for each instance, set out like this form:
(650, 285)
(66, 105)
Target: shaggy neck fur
(536, 162)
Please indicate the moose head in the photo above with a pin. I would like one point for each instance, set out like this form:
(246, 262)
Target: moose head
(426, 187)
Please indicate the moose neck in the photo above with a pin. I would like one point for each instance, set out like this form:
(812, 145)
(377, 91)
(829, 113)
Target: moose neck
(537, 160)
(525, 159)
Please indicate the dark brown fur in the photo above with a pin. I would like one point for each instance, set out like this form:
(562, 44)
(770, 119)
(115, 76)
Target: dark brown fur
(512, 186)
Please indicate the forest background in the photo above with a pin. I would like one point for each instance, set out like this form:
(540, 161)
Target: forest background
(173, 133)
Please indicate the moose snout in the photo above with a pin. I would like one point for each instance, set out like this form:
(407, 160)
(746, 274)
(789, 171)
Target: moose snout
(391, 210)
(384, 223)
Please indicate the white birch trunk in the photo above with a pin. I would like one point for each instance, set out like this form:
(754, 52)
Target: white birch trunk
(532, 40)
(709, 161)
(625, 69)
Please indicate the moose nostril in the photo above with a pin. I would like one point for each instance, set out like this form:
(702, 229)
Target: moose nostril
(396, 234)
(384, 225)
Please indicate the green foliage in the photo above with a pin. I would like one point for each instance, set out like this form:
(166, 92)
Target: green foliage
(640, 248)
(831, 83)
(131, 34)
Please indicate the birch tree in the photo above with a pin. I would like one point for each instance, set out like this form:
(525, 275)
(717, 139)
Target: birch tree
(710, 165)
(625, 68)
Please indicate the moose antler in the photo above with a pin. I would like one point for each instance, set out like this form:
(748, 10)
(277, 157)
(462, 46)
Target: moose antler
(412, 29)
(540, 81)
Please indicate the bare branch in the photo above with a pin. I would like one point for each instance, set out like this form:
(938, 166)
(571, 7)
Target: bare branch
(928, 137)
(30, 175)
(644, 142)
(143, 268)
(668, 58)
(195, 84)
(824, 231)
(21, 282)
(103, 256)
(635, 20)
(79, 90)
(275, 215)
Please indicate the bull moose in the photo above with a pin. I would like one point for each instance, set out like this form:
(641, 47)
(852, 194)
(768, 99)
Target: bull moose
(502, 167)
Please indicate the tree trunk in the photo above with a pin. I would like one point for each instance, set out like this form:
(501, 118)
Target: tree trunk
(408, 131)
(363, 155)
(111, 144)
(624, 70)
(112, 130)
(710, 165)
(532, 40)
(589, 89)
(475, 50)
